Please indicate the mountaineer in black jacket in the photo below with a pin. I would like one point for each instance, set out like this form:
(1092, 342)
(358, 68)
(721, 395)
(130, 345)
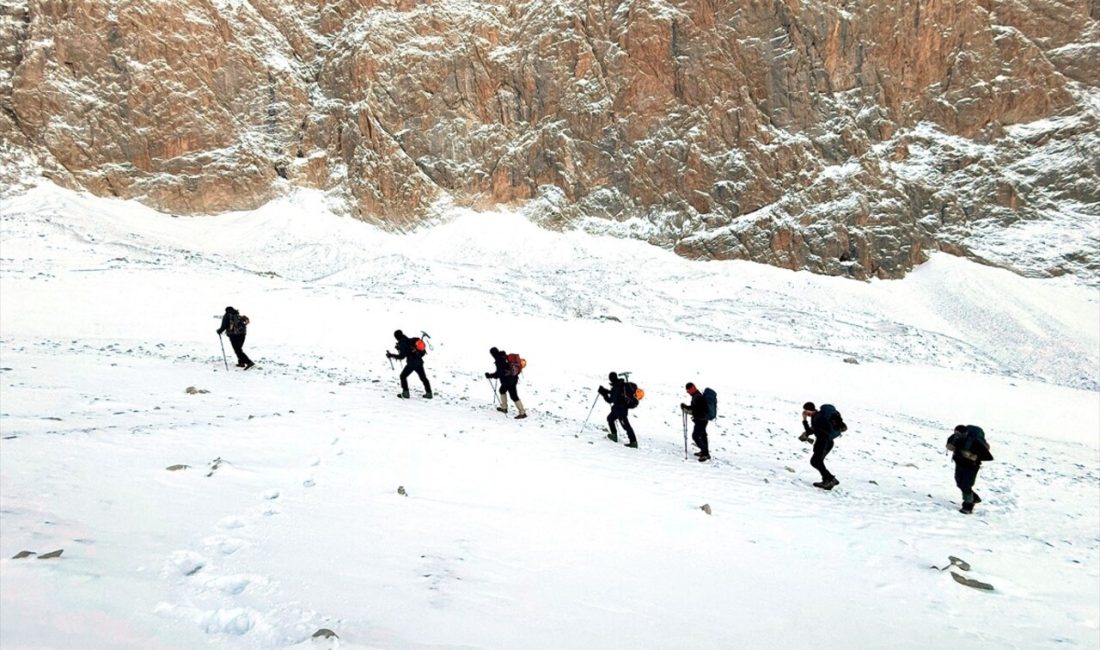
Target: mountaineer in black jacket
(700, 416)
(969, 450)
(822, 428)
(616, 397)
(508, 382)
(414, 362)
(236, 326)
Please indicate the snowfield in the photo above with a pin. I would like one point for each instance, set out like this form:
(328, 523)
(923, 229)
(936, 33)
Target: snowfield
(287, 518)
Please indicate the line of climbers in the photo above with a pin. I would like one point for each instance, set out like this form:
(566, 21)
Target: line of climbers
(825, 424)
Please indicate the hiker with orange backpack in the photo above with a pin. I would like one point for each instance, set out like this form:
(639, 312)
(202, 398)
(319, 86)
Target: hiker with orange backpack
(508, 369)
(621, 396)
(412, 350)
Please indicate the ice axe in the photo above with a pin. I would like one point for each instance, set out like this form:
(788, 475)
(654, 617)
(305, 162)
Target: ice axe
(423, 336)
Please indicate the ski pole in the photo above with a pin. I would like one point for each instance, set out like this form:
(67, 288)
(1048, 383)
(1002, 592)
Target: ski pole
(589, 413)
(224, 360)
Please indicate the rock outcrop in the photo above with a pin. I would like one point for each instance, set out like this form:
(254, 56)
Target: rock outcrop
(842, 137)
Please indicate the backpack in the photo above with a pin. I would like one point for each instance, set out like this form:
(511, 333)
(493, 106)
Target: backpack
(417, 345)
(970, 445)
(516, 364)
(633, 394)
(712, 403)
(237, 324)
(836, 422)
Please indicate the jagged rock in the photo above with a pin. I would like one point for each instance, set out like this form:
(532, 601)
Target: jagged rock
(972, 583)
(191, 390)
(705, 508)
(22, 554)
(851, 360)
(848, 139)
(325, 633)
(401, 491)
(51, 554)
(176, 468)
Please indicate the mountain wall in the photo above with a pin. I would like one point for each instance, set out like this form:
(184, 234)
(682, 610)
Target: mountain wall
(838, 136)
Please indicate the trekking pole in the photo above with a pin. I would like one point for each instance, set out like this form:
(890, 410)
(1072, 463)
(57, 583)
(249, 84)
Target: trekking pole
(589, 413)
(493, 384)
(390, 359)
(684, 413)
(224, 360)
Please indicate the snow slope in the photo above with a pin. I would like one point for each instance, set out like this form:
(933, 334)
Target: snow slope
(533, 534)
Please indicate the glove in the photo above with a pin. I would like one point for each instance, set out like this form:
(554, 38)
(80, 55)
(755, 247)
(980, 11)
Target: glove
(389, 355)
(488, 375)
(218, 332)
(684, 407)
(805, 437)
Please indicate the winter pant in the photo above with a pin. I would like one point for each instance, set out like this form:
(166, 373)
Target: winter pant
(699, 435)
(966, 473)
(508, 385)
(822, 446)
(419, 370)
(237, 341)
(620, 415)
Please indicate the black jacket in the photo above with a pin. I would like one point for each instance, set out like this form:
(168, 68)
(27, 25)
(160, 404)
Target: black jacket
(616, 395)
(820, 426)
(228, 317)
(501, 362)
(699, 408)
(407, 351)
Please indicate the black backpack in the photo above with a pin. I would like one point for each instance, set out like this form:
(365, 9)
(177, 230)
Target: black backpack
(632, 393)
(712, 403)
(238, 324)
(836, 422)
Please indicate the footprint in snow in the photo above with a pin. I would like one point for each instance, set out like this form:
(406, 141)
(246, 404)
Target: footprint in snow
(230, 585)
(230, 523)
(271, 494)
(187, 563)
(308, 483)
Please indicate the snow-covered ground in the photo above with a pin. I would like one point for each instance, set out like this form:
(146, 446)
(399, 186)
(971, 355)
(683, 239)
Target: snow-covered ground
(535, 533)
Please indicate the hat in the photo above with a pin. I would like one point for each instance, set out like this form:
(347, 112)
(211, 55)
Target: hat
(398, 334)
(690, 387)
(494, 351)
(960, 428)
(809, 406)
(612, 376)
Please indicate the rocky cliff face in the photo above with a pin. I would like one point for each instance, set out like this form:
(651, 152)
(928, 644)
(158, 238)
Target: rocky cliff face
(839, 136)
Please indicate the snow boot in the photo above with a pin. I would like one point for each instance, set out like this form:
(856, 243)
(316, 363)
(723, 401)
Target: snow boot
(248, 365)
(632, 445)
(827, 485)
(428, 395)
(521, 416)
(613, 437)
(967, 508)
(403, 394)
(704, 458)
(832, 483)
(503, 408)
(977, 499)
(522, 411)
